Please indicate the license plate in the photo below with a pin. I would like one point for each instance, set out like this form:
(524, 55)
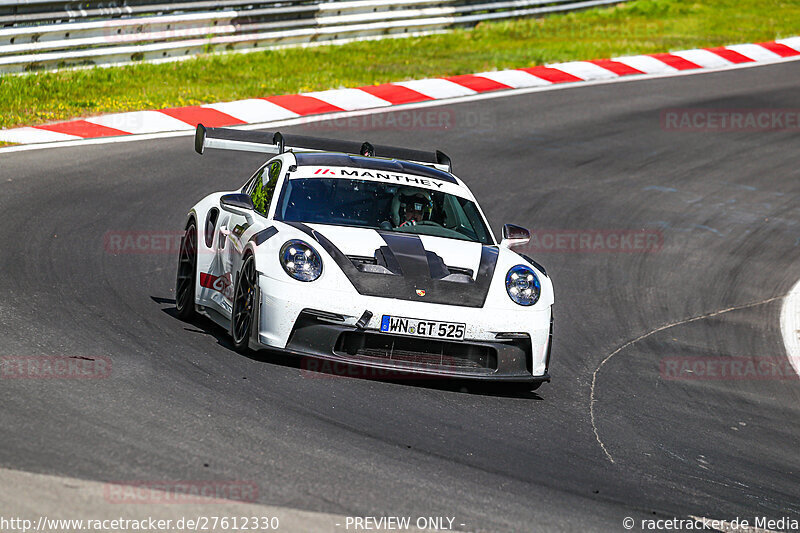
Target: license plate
(422, 328)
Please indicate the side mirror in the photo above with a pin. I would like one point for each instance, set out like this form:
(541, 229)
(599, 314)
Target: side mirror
(514, 236)
(236, 202)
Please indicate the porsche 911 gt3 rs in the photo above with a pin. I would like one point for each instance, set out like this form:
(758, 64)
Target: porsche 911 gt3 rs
(369, 255)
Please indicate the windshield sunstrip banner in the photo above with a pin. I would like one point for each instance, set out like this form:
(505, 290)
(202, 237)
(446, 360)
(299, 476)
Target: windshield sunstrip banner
(381, 176)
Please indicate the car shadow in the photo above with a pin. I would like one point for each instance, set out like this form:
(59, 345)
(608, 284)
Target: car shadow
(324, 368)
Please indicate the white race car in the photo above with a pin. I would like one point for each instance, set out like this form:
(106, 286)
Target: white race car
(370, 256)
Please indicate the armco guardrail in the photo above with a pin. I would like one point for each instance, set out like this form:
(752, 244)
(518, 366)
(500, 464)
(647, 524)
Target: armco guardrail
(44, 34)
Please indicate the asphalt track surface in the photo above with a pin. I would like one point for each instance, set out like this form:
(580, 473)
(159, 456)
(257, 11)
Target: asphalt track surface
(182, 405)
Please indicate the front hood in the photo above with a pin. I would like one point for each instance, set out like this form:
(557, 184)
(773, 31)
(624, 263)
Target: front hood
(408, 266)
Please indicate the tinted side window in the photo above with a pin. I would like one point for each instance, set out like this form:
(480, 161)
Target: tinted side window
(475, 221)
(265, 187)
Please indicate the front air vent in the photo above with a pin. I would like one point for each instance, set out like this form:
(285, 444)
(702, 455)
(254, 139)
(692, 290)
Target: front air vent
(412, 352)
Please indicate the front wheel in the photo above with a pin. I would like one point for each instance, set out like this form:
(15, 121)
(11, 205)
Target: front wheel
(187, 272)
(244, 304)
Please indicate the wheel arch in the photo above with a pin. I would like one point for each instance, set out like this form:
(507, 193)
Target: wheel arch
(191, 218)
(252, 338)
(248, 252)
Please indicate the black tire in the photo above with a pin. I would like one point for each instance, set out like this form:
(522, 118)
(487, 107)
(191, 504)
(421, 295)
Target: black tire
(244, 304)
(187, 274)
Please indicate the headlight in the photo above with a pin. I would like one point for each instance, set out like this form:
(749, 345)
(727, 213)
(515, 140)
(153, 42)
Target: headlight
(300, 261)
(523, 285)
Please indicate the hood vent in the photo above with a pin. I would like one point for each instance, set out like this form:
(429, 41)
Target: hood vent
(384, 262)
(407, 251)
(370, 264)
(459, 275)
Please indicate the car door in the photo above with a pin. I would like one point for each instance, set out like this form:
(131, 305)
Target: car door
(238, 228)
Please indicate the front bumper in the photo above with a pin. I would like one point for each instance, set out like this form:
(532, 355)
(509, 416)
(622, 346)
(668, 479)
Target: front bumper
(338, 348)
(498, 346)
(397, 356)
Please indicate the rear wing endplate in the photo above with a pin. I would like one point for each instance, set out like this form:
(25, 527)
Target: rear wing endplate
(276, 143)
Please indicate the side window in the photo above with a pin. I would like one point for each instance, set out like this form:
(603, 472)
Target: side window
(478, 229)
(265, 187)
(248, 187)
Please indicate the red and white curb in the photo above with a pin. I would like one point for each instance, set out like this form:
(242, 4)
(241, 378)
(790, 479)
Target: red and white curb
(292, 106)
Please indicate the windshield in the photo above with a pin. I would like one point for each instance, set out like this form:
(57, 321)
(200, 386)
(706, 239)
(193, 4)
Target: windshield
(371, 204)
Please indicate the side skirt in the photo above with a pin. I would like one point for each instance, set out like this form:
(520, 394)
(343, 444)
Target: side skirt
(215, 315)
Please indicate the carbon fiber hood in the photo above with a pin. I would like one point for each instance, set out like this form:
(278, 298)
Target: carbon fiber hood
(409, 267)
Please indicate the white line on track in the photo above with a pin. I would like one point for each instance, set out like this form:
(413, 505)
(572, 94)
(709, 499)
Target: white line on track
(431, 103)
(644, 336)
(790, 326)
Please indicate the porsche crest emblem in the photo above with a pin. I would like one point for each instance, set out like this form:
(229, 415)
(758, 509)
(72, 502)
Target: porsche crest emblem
(420, 292)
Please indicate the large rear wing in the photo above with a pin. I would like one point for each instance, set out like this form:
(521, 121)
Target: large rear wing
(277, 143)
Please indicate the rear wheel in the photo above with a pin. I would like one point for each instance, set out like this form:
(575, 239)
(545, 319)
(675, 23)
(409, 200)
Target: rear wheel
(187, 273)
(244, 304)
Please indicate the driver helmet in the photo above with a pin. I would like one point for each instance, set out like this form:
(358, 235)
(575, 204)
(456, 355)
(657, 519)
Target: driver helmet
(410, 200)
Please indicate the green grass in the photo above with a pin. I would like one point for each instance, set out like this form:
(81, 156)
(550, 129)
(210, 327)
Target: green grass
(641, 26)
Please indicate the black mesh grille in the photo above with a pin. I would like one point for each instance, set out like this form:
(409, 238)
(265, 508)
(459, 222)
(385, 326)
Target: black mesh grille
(418, 352)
